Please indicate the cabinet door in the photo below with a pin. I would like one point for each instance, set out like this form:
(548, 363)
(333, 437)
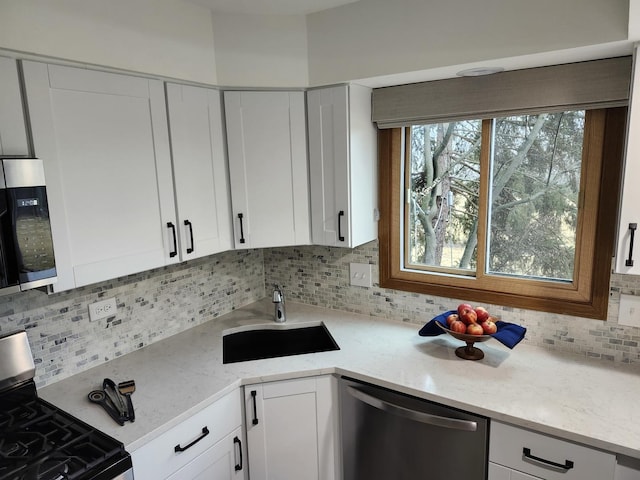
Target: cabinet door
(196, 435)
(13, 132)
(222, 461)
(627, 468)
(498, 472)
(629, 213)
(291, 429)
(342, 166)
(328, 114)
(104, 141)
(267, 146)
(200, 170)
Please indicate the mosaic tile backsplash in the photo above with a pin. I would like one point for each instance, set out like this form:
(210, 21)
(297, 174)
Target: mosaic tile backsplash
(160, 303)
(150, 306)
(320, 276)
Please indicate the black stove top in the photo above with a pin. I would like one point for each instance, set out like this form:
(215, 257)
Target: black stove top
(39, 441)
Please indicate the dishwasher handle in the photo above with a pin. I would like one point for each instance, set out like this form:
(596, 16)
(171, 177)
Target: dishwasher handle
(446, 422)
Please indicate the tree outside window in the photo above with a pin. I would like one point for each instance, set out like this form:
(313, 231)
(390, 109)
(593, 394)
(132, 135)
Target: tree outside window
(507, 210)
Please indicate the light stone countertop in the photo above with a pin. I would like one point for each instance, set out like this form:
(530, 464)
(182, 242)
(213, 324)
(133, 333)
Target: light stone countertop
(587, 401)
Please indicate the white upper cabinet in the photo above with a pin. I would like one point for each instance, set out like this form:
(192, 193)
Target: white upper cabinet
(13, 132)
(267, 146)
(342, 165)
(200, 170)
(628, 247)
(104, 141)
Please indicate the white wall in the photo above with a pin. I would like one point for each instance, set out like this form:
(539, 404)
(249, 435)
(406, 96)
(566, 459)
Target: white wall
(162, 37)
(634, 20)
(369, 38)
(261, 50)
(379, 37)
(172, 38)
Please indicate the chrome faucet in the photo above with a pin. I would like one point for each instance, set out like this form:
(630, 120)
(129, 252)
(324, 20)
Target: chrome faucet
(280, 315)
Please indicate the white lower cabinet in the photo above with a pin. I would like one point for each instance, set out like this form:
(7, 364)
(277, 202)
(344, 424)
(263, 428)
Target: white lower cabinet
(627, 468)
(498, 472)
(292, 429)
(519, 454)
(207, 445)
(222, 461)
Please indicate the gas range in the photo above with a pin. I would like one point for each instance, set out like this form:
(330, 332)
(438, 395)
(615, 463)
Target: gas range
(39, 441)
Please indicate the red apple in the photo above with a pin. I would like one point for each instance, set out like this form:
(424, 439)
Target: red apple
(452, 318)
(482, 314)
(468, 316)
(458, 327)
(474, 329)
(489, 327)
(464, 306)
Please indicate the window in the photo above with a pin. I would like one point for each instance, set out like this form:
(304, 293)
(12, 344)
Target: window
(515, 210)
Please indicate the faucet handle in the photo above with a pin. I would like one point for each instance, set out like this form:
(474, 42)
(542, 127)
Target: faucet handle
(277, 294)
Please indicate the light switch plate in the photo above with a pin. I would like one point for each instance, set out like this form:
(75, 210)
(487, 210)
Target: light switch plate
(629, 310)
(360, 274)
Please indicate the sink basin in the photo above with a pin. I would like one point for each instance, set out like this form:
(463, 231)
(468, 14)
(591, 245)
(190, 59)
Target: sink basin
(271, 341)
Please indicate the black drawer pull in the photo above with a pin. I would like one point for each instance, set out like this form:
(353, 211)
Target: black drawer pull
(187, 223)
(175, 242)
(238, 466)
(178, 448)
(255, 408)
(632, 228)
(568, 464)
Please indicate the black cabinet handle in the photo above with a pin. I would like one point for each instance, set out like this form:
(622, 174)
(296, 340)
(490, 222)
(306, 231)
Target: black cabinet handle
(255, 408)
(240, 216)
(632, 228)
(568, 464)
(175, 242)
(238, 466)
(340, 215)
(187, 223)
(178, 448)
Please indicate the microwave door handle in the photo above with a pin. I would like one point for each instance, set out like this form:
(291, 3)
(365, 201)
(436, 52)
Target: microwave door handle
(446, 422)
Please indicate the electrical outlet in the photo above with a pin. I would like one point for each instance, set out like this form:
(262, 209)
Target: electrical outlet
(629, 313)
(103, 309)
(360, 274)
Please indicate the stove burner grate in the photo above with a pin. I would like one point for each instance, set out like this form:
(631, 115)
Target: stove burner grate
(38, 441)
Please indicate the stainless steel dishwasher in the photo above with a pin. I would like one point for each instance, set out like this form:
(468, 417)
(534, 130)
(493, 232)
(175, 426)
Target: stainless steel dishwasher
(387, 435)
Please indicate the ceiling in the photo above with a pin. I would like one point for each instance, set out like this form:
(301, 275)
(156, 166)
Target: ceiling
(271, 7)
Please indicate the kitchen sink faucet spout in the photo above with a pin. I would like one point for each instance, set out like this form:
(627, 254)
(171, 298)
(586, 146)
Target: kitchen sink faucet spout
(280, 315)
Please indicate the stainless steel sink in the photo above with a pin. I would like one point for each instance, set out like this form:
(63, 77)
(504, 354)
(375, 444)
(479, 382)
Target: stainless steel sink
(269, 341)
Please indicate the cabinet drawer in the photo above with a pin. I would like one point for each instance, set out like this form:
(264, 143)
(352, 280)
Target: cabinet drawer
(531, 452)
(222, 461)
(498, 472)
(158, 459)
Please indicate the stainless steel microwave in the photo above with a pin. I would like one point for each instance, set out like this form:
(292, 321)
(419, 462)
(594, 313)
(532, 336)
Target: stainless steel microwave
(26, 246)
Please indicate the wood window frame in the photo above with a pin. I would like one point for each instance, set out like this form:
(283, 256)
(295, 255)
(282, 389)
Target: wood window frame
(587, 296)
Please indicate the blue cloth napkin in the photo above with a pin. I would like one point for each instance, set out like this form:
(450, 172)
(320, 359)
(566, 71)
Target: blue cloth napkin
(509, 334)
